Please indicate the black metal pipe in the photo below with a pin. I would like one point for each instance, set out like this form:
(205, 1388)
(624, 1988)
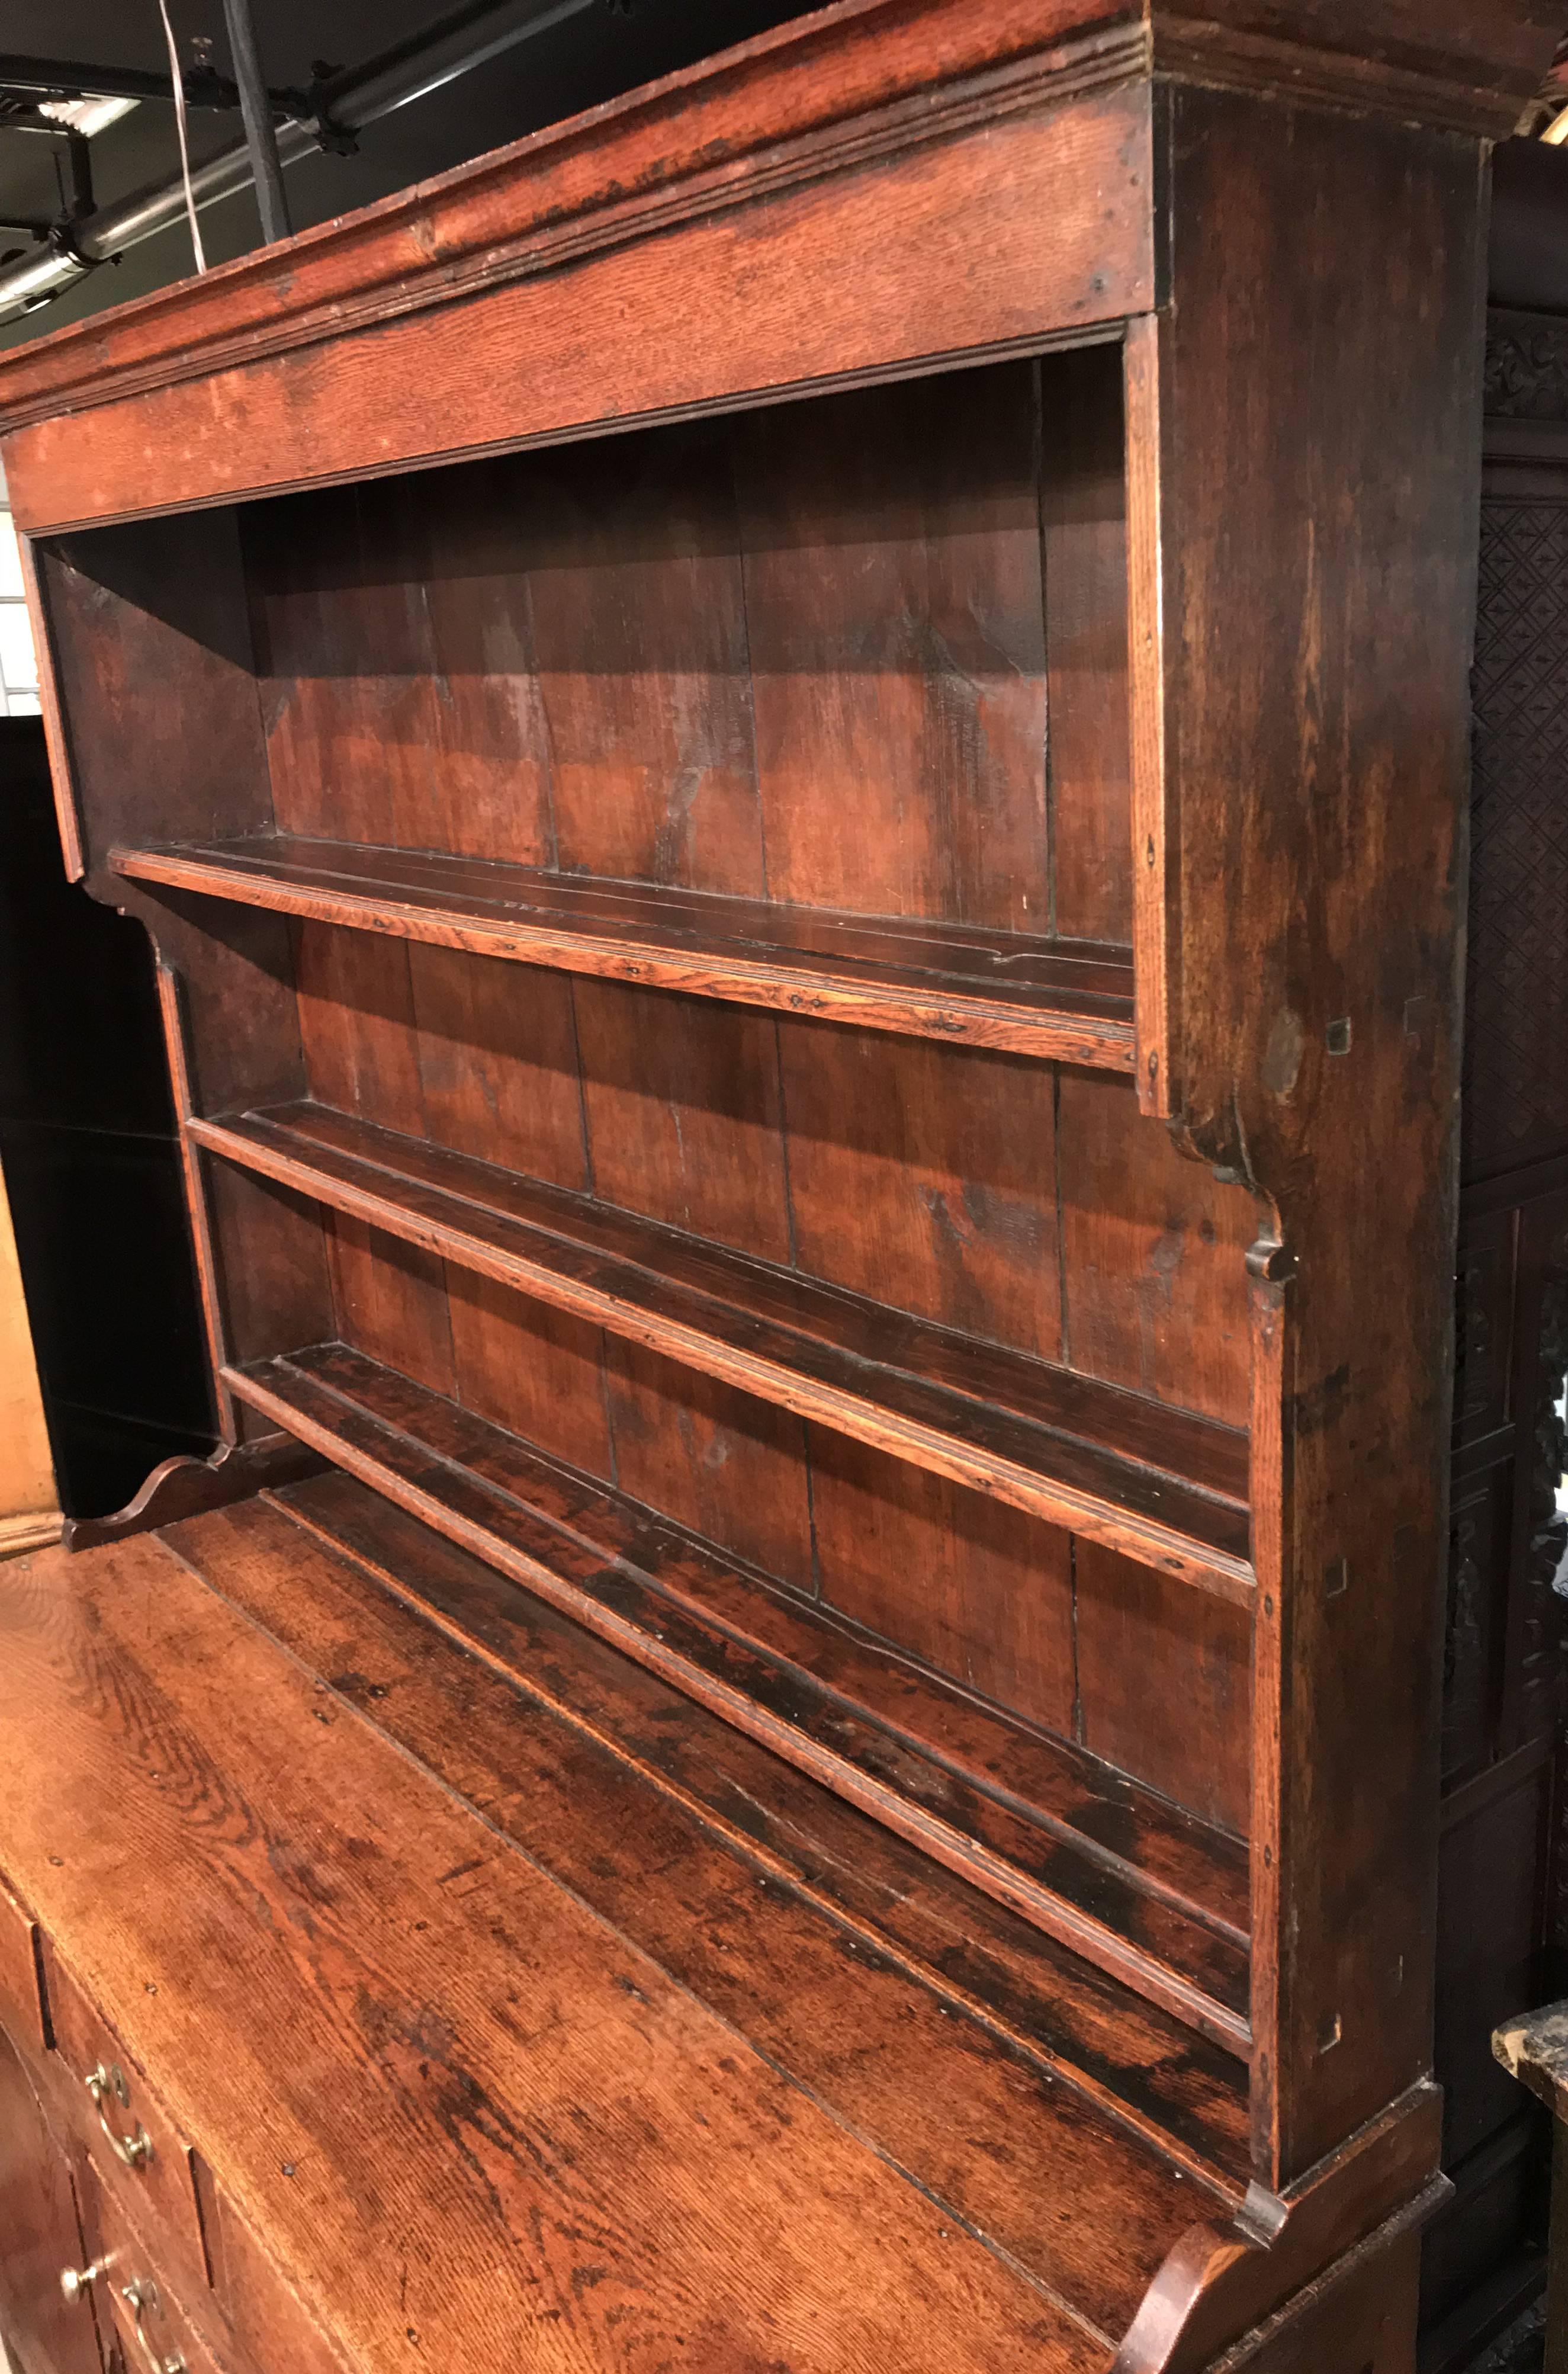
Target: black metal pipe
(261, 133)
(63, 78)
(464, 38)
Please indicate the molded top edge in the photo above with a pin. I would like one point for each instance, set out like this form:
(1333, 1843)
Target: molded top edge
(813, 94)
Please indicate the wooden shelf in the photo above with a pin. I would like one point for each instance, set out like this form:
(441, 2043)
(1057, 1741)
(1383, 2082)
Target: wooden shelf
(1157, 1484)
(621, 1762)
(1151, 1896)
(1067, 1000)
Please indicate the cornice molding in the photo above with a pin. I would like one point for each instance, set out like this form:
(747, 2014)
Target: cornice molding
(1429, 92)
(859, 83)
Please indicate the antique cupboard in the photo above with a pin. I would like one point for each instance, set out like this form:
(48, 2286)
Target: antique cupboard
(797, 760)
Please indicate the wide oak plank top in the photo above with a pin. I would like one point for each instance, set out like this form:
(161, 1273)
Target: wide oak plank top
(463, 2108)
(1069, 1000)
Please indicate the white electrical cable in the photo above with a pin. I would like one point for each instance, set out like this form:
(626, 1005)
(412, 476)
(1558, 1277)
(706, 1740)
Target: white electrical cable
(179, 82)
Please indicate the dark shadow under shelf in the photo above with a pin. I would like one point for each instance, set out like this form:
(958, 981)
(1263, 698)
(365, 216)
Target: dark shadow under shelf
(1143, 1891)
(1069, 1001)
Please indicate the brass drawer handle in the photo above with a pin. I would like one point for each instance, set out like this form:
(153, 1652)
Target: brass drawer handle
(76, 2282)
(141, 2293)
(134, 2150)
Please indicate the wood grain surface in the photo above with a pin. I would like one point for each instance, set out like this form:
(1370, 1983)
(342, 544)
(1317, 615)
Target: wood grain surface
(796, 760)
(711, 1631)
(1064, 1001)
(551, 2080)
(1112, 1467)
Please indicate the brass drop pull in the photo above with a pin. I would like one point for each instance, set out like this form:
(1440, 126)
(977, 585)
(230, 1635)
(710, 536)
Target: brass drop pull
(102, 2084)
(76, 2282)
(141, 2293)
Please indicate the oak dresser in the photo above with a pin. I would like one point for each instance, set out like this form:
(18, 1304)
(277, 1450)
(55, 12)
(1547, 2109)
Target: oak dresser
(796, 757)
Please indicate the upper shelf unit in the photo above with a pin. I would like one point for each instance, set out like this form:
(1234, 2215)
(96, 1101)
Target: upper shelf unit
(823, 709)
(1069, 1001)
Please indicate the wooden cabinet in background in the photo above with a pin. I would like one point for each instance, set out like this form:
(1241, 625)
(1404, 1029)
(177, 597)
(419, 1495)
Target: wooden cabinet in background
(797, 760)
(28, 1512)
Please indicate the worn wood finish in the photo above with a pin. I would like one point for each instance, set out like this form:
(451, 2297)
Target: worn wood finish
(261, 2307)
(819, 1039)
(1353, 1382)
(1359, 2315)
(1043, 137)
(1111, 1466)
(870, 80)
(1534, 2049)
(1214, 2282)
(21, 1987)
(143, 2166)
(43, 2232)
(689, 2122)
(684, 1852)
(757, 1657)
(139, 2310)
(1003, 1969)
(182, 1486)
(1066, 1000)
(1152, 1847)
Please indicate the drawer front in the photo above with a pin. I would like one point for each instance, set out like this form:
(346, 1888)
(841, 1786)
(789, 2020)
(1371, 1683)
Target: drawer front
(155, 2336)
(21, 2004)
(40, 2234)
(134, 2300)
(140, 2155)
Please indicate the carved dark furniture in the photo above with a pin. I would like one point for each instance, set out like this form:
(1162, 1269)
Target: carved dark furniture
(1502, 1940)
(797, 758)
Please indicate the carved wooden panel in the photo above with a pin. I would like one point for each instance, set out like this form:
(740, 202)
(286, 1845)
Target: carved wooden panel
(1540, 1541)
(1527, 367)
(1484, 1326)
(1515, 1092)
(1479, 1525)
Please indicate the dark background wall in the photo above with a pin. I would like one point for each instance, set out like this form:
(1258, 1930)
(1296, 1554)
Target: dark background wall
(88, 1151)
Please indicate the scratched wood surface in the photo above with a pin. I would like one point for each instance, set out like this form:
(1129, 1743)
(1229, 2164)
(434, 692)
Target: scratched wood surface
(972, 1190)
(1035, 1435)
(1313, 1042)
(1067, 1000)
(708, 122)
(515, 2068)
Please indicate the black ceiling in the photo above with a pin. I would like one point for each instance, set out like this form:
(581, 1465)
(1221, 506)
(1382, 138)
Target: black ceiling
(590, 57)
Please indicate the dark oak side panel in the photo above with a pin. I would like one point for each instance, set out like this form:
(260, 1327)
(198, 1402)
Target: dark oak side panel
(1320, 560)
